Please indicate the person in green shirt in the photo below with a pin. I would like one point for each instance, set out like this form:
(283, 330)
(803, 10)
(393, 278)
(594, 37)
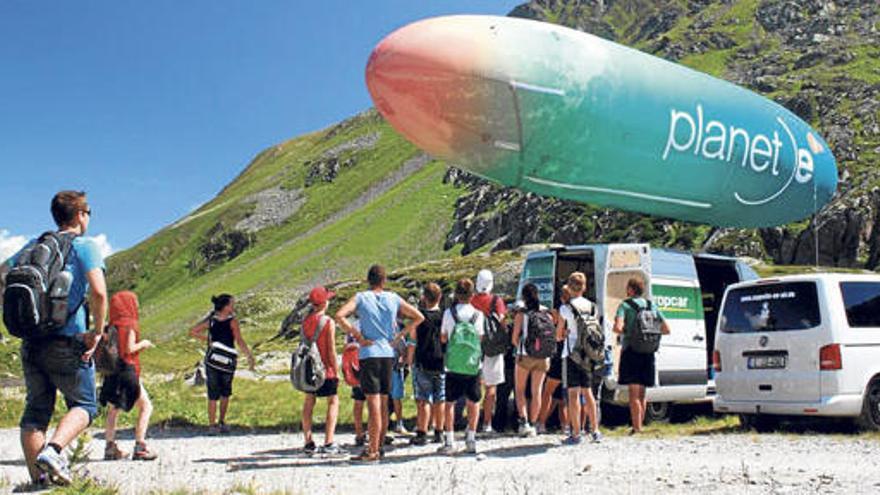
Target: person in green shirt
(637, 370)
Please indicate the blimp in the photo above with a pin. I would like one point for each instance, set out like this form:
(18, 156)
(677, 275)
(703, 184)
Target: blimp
(562, 113)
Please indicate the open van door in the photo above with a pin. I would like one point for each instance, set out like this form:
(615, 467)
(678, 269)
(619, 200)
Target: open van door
(622, 262)
(539, 269)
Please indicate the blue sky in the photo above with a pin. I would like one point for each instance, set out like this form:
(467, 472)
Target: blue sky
(152, 107)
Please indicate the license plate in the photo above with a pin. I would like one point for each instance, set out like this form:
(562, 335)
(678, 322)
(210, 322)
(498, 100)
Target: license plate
(766, 362)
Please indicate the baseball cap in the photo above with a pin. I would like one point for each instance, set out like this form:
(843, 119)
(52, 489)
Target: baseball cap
(319, 295)
(484, 281)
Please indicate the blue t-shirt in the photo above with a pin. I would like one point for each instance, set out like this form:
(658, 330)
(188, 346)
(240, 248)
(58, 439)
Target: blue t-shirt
(377, 314)
(84, 257)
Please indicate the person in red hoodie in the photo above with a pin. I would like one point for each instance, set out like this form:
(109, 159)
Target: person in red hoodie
(124, 389)
(318, 321)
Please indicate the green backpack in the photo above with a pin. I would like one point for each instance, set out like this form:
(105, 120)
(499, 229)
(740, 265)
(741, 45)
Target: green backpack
(463, 351)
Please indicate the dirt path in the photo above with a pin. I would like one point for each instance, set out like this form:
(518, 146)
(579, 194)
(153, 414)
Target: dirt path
(733, 463)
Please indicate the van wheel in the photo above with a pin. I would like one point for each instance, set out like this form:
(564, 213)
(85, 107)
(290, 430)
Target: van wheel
(870, 417)
(658, 412)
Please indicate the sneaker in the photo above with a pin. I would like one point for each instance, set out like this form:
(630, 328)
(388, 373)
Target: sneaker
(55, 466)
(367, 457)
(573, 440)
(113, 453)
(213, 430)
(142, 453)
(333, 450)
(224, 428)
(487, 429)
(400, 429)
(530, 430)
(596, 437)
(360, 440)
(566, 431)
(447, 449)
(470, 446)
(310, 448)
(388, 440)
(420, 439)
(522, 428)
(540, 428)
(438, 437)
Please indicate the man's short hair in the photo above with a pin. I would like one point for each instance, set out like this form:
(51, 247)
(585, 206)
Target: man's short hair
(577, 282)
(65, 206)
(432, 293)
(464, 290)
(376, 275)
(637, 285)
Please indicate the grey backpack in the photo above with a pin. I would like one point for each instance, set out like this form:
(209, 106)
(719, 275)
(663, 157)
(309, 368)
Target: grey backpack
(589, 348)
(307, 371)
(644, 336)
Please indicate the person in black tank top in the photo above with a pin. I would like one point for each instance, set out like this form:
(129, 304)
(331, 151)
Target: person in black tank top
(220, 330)
(429, 379)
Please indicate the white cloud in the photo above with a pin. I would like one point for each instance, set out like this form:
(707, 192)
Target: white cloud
(103, 245)
(10, 244)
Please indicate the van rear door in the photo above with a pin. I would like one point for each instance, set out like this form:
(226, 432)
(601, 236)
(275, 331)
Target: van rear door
(622, 262)
(768, 335)
(539, 269)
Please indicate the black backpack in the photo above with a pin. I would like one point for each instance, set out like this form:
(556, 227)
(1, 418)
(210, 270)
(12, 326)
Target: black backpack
(107, 359)
(644, 335)
(496, 340)
(429, 350)
(540, 341)
(589, 348)
(37, 287)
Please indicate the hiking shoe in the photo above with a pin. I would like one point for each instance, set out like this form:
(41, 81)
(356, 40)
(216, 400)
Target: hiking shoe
(527, 430)
(360, 440)
(521, 428)
(438, 437)
(142, 453)
(447, 449)
(333, 450)
(224, 428)
(596, 437)
(310, 448)
(420, 439)
(540, 428)
(113, 453)
(470, 446)
(367, 457)
(573, 440)
(55, 466)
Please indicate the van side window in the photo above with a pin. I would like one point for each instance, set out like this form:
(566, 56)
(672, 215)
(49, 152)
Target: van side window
(771, 308)
(862, 303)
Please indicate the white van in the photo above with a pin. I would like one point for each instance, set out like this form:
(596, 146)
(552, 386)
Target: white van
(800, 345)
(686, 287)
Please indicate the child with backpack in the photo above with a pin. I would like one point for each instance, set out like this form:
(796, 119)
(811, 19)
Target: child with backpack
(496, 342)
(577, 324)
(401, 345)
(429, 378)
(462, 330)
(320, 330)
(641, 324)
(351, 370)
(534, 336)
(123, 390)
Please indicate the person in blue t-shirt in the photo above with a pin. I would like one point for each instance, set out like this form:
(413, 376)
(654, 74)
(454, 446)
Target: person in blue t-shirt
(63, 362)
(377, 311)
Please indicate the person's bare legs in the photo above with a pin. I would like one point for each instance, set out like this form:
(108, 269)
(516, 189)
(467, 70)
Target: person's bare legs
(473, 411)
(537, 389)
(357, 414)
(398, 409)
(145, 410)
(385, 418)
(332, 417)
(520, 379)
(32, 442)
(374, 421)
(449, 416)
(636, 412)
(574, 410)
(644, 403)
(224, 406)
(489, 404)
(438, 409)
(592, 410)
(547, 400)
(212, 412)
(110, 424)
(308, 408)
(423, 410)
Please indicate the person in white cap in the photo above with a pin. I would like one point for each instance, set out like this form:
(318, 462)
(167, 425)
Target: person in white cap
(493, 308)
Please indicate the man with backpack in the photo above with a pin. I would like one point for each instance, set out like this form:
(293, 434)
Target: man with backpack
(580, 332)
(57, 271)
(641, 325)
(462, 330)
(496, 341)
(377, 311)
(318, 328)
(429, 377)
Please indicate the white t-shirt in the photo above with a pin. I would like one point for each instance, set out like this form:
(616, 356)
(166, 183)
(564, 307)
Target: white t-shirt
(465, 313)
(524, 332)
(584, 306)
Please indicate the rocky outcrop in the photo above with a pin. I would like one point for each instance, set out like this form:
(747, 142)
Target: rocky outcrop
(272, 207)
(219, 246)
(340, 157)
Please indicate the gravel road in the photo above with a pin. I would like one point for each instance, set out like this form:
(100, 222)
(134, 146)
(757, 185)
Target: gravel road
(728, 463)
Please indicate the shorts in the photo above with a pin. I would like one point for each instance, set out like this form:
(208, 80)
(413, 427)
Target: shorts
(328, 389)
(357, 394)
(458, 386)
(122, 389)
(219, 383)
(429, 386)
(636, 369)
(493, 370)
(376, 375)
(533, 364)
(50, 366)
(577, 377)
(555, 371)
(398, 377)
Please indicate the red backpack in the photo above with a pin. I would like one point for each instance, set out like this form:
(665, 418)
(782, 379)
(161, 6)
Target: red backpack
(351, 366)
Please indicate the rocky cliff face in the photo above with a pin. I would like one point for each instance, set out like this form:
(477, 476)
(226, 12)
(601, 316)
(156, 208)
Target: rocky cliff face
(820, 59)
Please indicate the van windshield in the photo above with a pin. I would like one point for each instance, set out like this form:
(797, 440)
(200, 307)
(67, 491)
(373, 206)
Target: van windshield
(771, 308)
